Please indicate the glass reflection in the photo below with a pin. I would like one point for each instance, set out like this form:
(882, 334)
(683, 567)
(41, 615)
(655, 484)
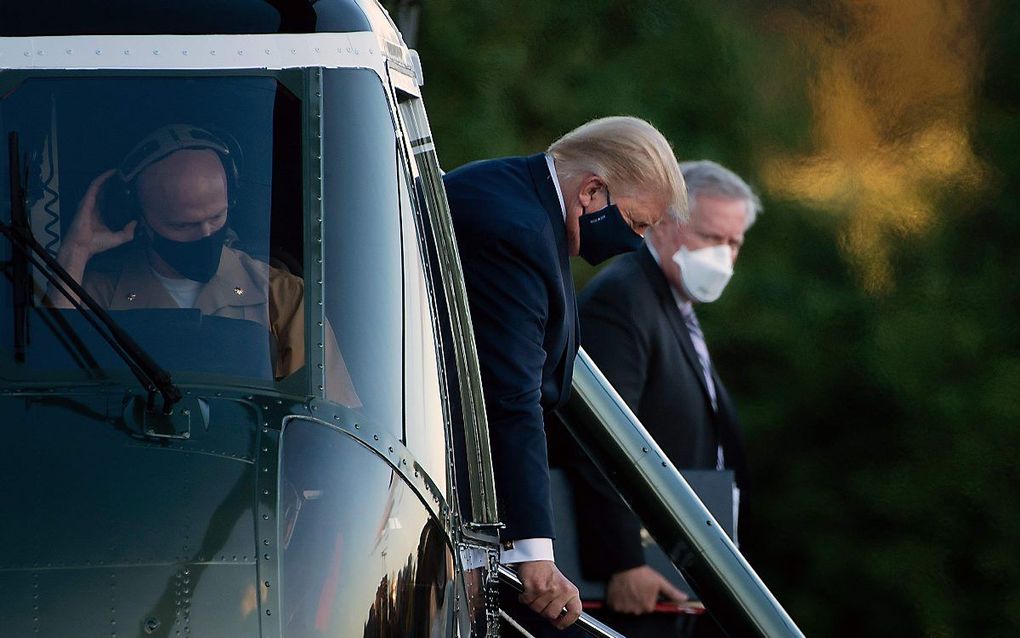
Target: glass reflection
(361, 554)
(424, 427)
(362, 277)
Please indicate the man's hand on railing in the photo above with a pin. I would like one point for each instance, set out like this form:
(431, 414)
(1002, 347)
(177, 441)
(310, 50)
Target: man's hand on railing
(637, 590)
(548, 593)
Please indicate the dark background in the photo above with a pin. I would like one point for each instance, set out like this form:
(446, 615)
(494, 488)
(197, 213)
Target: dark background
(870, 335)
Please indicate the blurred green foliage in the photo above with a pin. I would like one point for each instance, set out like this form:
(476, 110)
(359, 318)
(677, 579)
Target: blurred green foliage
(882, 422)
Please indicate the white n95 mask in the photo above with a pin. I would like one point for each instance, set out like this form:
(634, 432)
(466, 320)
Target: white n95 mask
(705, 272)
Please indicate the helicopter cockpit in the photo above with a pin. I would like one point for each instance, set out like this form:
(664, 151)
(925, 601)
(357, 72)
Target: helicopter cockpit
(302, 483)
(245, 322)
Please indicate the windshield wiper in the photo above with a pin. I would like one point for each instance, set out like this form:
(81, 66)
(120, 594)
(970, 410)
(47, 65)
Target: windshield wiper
(19, 260)
(154, 379)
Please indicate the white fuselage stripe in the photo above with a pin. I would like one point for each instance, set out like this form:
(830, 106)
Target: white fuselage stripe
(194, 52)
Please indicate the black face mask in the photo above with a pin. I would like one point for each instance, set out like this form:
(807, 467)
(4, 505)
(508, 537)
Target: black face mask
(197, 260)
(605, 234)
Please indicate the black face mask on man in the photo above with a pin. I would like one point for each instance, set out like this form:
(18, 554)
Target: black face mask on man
(197, 260)
(604, 234)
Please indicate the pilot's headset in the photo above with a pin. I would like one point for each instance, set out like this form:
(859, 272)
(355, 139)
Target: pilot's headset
(118, 199)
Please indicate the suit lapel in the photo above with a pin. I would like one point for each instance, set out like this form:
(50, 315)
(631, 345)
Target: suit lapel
(546, 191)
(672, 312)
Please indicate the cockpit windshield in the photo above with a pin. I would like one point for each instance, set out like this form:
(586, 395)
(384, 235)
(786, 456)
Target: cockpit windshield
(176, 202)
(244, 227)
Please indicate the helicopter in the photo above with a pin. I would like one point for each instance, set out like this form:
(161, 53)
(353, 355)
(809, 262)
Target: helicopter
(311, 462)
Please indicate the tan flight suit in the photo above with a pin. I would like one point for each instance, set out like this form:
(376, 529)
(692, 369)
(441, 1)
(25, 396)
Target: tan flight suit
(238, 290)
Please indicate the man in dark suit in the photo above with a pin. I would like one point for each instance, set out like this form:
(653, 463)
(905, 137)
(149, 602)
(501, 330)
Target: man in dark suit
(518, 220)
(639, 326)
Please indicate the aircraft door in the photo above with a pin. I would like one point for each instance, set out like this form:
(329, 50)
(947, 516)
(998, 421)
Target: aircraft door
(362, 555)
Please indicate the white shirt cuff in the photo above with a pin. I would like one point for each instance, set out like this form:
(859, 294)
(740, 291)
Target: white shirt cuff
(527, 549)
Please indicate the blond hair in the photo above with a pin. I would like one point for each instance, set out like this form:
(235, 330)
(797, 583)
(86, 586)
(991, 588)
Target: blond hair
(629, 154)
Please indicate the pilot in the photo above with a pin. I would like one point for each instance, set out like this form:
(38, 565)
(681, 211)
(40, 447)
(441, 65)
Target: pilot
(174, 254)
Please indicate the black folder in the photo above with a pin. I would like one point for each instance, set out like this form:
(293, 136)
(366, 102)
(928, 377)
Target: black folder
(713, 487)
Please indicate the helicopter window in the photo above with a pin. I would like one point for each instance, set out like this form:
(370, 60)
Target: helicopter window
(424, 428)
(361, 247)
(176, 202)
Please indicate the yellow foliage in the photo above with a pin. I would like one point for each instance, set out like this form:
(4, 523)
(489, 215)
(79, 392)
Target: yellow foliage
(893, 100)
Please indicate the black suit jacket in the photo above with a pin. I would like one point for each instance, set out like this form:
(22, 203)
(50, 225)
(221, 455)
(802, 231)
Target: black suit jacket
(634, 331)
(512, 241)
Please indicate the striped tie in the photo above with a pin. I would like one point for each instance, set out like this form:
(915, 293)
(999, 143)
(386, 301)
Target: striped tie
(698, 339)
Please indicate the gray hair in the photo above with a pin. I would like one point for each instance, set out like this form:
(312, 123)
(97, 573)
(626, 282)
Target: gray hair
(630, 154)
(705, 177)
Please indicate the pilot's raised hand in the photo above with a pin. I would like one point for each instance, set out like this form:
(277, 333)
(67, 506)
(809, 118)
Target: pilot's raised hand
(88, 236)
(548, 592)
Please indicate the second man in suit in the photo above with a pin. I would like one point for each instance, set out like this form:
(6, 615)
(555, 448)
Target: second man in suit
(639, 325)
